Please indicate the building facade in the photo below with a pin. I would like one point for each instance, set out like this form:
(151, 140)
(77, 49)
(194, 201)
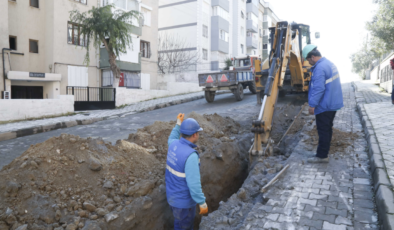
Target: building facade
(269, 20)
(43, 52)
(149, 44)
(214, 30)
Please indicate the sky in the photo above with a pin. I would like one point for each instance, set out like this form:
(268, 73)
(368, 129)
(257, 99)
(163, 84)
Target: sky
(341, 24)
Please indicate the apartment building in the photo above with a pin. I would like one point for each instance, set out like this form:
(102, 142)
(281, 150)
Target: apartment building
(185, 29)
(43, 52)
(149, 44)
(270, 19)
(214, 29)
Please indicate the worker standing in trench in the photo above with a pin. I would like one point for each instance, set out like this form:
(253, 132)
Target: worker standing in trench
(183, 180)
(324, 98)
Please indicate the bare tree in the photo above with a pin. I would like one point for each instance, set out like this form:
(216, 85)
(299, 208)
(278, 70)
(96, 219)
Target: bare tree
(175, 55)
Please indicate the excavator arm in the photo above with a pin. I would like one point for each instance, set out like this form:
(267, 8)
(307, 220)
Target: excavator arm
(285, 55)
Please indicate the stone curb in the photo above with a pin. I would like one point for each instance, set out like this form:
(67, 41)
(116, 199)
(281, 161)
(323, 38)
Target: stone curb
(60, 125)
(382, 186)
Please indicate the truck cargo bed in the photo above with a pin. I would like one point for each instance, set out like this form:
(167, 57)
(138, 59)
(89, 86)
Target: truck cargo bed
(224, 79)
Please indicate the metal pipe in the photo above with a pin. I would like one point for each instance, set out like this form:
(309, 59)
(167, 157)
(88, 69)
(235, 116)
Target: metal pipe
(2, 54)
(9, 61)
(262, 108)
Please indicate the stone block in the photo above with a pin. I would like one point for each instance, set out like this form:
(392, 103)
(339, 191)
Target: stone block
(380, 177)
(385, 206)
(373, 149)
(376, 161)
(7, 136)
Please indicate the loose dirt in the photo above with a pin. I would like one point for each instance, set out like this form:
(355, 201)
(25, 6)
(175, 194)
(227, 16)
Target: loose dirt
(339, 142)
(76, 183)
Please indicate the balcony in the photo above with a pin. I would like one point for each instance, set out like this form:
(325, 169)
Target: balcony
(222, 3)
(217, 44)
(252, 43)
(131, 61)
(251, 26)
(251, 7)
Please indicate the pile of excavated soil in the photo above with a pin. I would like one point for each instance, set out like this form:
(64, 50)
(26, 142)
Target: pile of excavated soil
(67, 179)
(68, 182)
(339, 142)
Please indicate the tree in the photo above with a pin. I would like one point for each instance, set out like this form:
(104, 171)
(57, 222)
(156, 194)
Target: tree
(175, 55)
(228, 63)
(105, 25)
(382, 24)
(363, 58)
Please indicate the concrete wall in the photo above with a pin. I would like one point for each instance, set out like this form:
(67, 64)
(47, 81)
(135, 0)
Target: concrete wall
(388, 86)
(20, 109)
(126, 96)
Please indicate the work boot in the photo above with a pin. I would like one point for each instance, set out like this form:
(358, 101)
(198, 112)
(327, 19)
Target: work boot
(317, 160)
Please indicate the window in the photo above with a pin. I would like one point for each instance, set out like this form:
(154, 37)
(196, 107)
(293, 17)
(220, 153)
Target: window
(242, 14)
(223, 35)
(34, 3)
(33, 46)
(145, 49)
(13, 42)
(242, 49)
(82, 1)
(265, 46)
(242, 31)
(265, 18)
(204, 54)
(205, 31)
(74, 35)
(219, 11)
(124, 4)
(147, 16)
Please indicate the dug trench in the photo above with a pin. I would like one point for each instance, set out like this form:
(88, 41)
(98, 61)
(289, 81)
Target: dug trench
(68, 182)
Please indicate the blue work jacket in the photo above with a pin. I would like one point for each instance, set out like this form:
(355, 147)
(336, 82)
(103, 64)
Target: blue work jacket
(325, 90)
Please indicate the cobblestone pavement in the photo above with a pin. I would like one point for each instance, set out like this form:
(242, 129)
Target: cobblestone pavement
(378, 120)
(130, 109)
(336, 196)
(367, 92)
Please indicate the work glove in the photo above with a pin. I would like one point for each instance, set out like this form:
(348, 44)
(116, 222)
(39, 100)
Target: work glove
(180, 118)
(203, 209)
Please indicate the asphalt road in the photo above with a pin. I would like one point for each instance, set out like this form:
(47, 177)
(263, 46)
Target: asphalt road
(120, 128)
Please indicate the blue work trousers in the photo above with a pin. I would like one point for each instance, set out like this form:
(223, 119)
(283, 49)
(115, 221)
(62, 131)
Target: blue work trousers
(324, 124)
(184, 218)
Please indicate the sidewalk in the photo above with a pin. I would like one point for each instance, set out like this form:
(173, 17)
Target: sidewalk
(377, 114)
(336, 196)
(24, 128)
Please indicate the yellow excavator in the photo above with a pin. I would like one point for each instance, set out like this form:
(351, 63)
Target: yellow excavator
(283, 71)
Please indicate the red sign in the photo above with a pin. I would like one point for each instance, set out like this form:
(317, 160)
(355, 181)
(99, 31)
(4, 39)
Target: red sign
(223, 78)
(121, 80)
(209, 79)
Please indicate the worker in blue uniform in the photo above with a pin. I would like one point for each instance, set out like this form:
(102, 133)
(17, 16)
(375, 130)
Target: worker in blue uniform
(324, 98)
(183, 180)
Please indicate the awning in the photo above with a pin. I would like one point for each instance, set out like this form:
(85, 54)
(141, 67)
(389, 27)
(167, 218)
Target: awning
(33, 76)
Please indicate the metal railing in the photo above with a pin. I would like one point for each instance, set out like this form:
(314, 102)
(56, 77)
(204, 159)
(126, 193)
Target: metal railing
(91, 93)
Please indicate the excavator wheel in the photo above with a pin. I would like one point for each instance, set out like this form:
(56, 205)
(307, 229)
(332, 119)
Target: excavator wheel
(210, 96)
(239, 92)
(252, 87)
